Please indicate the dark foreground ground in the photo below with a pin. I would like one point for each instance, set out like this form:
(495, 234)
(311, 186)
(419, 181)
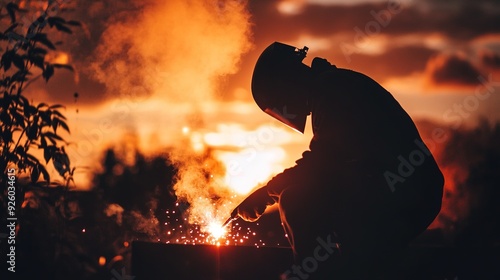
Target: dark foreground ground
(422, 261)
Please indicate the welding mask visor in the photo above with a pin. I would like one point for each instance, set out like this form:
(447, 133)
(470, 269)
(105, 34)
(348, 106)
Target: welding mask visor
(279, 84)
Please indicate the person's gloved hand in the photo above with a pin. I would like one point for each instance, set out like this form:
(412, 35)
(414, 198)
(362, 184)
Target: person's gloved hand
(253, 206)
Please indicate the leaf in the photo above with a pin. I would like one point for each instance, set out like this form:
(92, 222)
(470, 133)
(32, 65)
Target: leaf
(5, 82)
(63, 28)
(32, 159)
(7, 59)
(55, 124)
(19, 76)
(41, 21)
(61, 162)
(18, 61)
(64, 125)
(7, 136)
(42, 38)
(5, 118)
(41, 105)
(56, 106)
(73, 23)
(4, 102)
(38, 51)
(55, 20)
(13, 158)
(52, 141)
(37, 60)
(43, 142)
(24, 100)
(47, 153)
(48, 72)
(18, 118)
(51, 135)
(35, 174)
(20, 151)
(46, 116)
(55, 112)
(45, 174)
(11, 8)
(32, 131)
(29, 110)
(13, 36)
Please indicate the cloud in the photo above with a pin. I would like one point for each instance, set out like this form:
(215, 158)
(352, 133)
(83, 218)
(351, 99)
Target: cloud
(401, 47)
(458, 20)
(462, 21)
(315, 20)
(452, 70)
(394, 62)
(138, 41)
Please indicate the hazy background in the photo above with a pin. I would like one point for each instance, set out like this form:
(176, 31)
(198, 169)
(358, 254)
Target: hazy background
(173, 77)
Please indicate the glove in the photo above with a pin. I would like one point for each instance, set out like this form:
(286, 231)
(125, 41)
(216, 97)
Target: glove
(253, 206)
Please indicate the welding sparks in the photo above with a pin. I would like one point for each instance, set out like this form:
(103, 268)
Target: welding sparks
(177, 230)
(216, 172)
(216, 230)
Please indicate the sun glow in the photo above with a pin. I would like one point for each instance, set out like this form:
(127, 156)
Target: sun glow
(251, 157)
(248, 168)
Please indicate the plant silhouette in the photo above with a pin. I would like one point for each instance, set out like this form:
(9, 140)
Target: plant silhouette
(25, 125)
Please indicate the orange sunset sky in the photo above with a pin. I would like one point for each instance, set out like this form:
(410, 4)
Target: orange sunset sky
(153, 74)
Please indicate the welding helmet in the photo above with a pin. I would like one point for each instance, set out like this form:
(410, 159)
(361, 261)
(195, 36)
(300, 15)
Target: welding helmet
(279, 84)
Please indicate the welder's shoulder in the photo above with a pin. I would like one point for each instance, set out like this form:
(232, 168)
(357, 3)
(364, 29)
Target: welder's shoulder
(337, 86)
(344, 79)
(356, 79)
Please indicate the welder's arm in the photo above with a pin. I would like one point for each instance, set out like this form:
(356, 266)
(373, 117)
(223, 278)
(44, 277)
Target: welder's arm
(300, 175)
(254, 205)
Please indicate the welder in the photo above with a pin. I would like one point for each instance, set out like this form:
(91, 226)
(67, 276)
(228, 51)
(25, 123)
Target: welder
(366, 187)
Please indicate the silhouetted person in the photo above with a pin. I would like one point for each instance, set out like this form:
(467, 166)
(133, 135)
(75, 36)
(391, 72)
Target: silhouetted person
(367, 186)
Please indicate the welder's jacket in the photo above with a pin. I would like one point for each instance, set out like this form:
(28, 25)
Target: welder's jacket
(360, 134)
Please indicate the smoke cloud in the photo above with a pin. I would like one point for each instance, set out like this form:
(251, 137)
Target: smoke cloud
(176, 52)
(174, 49)
(200, 184)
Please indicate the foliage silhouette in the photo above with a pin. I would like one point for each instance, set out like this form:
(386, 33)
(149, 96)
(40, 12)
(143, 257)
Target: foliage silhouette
(65, 234)
(26, 125)
(139, 185)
